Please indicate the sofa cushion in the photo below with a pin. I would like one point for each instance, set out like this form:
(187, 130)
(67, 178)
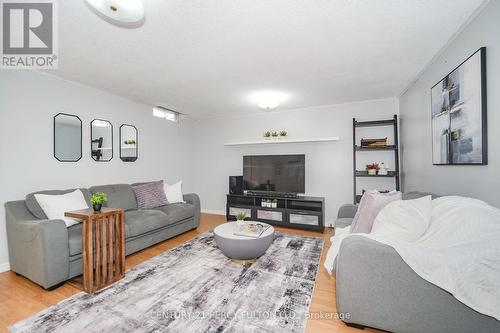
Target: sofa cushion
(371, 204)
(119, 195)
(178, 211)
(37, 211)
(138, 222)
(150, 195)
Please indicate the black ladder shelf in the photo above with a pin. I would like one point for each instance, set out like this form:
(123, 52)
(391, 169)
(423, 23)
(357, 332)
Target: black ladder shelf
(355, 149)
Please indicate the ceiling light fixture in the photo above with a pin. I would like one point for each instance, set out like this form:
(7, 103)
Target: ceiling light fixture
(268, 100)
(120, 12)
(161, 112)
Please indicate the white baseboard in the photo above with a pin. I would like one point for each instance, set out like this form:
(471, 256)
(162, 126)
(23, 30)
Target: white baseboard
(213, 211)
(4, 267)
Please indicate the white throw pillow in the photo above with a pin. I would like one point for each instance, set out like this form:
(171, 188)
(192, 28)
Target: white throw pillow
(174, 192)
(54, 206)
(405, 220)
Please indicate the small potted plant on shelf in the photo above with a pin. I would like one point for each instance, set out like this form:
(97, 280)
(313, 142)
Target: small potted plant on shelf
(372, 169)
(275, 134)
(274, 203)
(97, 200)
(283, 134)
(267, 135)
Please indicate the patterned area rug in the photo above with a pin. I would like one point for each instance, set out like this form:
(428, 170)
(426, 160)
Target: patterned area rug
(195, 288)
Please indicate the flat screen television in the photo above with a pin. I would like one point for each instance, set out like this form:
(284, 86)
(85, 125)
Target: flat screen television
(274, 173)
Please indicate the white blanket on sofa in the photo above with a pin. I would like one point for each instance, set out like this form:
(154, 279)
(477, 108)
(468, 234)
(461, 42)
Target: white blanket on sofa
(459, 252)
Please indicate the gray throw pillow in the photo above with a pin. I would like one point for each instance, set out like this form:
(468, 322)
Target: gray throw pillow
(150, 195)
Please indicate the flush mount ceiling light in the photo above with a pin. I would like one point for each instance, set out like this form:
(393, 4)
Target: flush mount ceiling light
(120, 12)
(161, 112)
(268, 100)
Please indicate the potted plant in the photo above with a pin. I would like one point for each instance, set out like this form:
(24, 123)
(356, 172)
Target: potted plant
(240, 220)
(97, 200)
(267, 135)
(274, 203)
(283, 134)
(275, 134)
(372, 169)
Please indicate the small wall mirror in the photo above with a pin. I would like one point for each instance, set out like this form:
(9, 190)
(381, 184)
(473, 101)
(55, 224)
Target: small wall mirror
(128, 143)
(67, 137)
(101, 133)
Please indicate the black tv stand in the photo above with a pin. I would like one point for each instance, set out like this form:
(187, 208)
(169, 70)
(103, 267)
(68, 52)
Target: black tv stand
(300, 212)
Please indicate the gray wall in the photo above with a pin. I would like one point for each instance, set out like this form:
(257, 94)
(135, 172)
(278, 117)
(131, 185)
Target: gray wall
(28, 102)
(481, 182)
(328, 164)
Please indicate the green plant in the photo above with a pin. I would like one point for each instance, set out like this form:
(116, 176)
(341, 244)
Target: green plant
(99, 198)
(275, 134)
(275, 200)
(241, 216)
(267, 134)
(283, 133)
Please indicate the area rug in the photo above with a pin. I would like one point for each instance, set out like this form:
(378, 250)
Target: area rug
(195, 288)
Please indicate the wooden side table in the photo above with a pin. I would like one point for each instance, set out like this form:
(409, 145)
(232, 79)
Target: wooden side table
(103, 246)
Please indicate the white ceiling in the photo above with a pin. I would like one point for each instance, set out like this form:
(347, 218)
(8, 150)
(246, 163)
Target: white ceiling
(204, 58)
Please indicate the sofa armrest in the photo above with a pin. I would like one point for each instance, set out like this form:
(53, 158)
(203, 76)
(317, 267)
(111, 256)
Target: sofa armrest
(347, 211)
(367, 282)
(38, 249)
(194, 199)
(378, 289)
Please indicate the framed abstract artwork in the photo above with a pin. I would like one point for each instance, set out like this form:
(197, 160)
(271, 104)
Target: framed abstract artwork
(458, 106)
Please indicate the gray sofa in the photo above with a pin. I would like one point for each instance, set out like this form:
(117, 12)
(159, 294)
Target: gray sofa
(48, 253)
(378, 289)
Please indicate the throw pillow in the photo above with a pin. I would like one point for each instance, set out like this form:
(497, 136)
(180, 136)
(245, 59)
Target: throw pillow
(174, 192)
(150, 195)
(405, 220)
(371, 204)
(54, 206)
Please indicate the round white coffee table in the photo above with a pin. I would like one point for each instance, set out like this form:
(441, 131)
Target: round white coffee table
(242, 248)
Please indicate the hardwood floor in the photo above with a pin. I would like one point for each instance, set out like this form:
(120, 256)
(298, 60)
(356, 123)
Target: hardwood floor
(20, 298)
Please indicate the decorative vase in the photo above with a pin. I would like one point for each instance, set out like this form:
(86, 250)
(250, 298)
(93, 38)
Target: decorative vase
(267, 137)
(372, 172)
(274, 205)
(97, 207)
(383, 171)
(239, 224)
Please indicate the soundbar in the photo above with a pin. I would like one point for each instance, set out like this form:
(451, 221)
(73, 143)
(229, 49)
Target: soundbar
(272, 194)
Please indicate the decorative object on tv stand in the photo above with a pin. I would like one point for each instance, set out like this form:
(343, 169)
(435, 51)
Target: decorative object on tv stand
(383, 169)
(374, 142)
(267, 135)
(458, 109)
(372, 169)
(97, 200)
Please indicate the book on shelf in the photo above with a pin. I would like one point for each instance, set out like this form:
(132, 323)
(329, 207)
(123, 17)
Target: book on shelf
(374, 142)
(253, 230)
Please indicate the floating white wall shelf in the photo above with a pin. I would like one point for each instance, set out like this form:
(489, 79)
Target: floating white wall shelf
(282, 141)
